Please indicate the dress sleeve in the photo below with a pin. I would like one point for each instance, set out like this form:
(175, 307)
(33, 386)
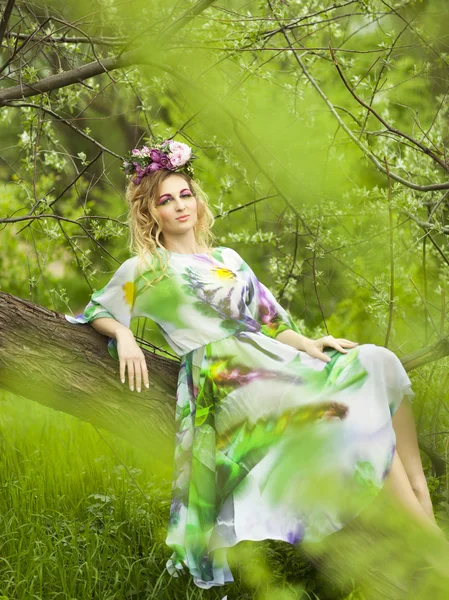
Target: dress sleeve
(115, 300)
(264, 307)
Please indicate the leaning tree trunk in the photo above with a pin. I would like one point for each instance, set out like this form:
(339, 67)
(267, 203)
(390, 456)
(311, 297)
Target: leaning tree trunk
(67, 367)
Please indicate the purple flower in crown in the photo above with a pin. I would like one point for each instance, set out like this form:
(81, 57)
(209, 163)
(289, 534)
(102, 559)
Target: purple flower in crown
(142, 172)
(167, 154)
(166, 162)
(156, 155)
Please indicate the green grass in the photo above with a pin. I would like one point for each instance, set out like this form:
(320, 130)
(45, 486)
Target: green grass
(83, 516)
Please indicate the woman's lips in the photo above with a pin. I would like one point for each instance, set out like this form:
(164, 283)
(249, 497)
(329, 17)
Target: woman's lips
(183, 218)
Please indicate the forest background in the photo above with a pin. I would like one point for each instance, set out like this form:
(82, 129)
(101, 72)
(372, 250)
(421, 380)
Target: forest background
(321, 131)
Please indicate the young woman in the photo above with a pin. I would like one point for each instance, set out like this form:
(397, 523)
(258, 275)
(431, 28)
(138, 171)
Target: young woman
(277, 436)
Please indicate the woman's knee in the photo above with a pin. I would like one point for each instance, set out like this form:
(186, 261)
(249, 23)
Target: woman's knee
(383, 358)
(377, 352)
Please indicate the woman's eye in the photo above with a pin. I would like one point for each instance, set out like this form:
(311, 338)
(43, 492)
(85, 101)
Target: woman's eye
(167, 199)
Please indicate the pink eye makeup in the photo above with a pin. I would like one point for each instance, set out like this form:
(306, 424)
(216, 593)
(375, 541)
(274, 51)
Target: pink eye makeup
(183, 194)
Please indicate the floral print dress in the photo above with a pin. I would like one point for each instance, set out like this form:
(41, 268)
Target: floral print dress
(271, 443)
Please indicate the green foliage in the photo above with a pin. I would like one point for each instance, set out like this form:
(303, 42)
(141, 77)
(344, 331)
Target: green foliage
(286, 155)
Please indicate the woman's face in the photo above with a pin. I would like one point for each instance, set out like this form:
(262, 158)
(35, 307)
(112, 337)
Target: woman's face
(175, 199)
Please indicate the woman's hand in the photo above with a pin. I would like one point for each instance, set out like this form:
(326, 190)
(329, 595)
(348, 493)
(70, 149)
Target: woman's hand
(132, 358)
(315, 347)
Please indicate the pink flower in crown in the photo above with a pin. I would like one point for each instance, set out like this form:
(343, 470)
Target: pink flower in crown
(166, 155)
(179, 153)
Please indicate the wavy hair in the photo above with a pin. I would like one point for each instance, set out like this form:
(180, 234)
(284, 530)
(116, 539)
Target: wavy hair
(144, 223)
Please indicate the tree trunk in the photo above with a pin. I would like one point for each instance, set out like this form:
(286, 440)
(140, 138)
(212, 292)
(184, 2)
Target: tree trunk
(67, 367)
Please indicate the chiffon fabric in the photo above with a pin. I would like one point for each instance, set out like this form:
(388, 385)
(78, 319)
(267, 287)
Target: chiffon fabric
(270, 442)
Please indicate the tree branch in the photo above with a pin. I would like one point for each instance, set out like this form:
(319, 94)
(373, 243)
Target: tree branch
(54, 82)
(5, 19)
(363, 148)
(66, 122)
(370, 109)
(123, 59)
(64, 39)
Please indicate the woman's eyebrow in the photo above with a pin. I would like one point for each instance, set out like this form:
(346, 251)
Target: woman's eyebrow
(184, 190)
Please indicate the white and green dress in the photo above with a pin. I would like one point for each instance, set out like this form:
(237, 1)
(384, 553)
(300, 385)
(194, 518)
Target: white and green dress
(254, 435)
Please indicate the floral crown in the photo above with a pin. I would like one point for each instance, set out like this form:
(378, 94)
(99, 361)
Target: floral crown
(171, 155)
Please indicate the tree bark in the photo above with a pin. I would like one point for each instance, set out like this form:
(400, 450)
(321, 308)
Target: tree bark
(68, 368)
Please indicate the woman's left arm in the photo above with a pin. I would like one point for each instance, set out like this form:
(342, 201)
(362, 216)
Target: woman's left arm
(291, 338)
(314, 347)
(277, 323)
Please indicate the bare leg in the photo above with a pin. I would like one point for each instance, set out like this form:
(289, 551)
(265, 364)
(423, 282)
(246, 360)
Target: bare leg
(407, 447)
(398, 485)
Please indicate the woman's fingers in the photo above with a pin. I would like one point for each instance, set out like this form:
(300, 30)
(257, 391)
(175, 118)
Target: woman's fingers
(122, 370)
(329, 341)
(340, 343)
(141, 372)
(333, 343)
(315, 351)
(130, 366)
(322, 355)
(138, 374)
(137, 371)
(132, 359)
(339, 347)
(145, 372)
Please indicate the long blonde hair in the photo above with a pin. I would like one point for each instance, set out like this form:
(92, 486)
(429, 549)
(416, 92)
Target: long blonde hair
(145, 225)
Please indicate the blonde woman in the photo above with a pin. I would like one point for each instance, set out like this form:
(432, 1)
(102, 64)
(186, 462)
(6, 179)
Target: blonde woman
(264, 415)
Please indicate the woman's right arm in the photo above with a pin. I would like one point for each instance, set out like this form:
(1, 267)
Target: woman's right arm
(109, 311)
(129, 353)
